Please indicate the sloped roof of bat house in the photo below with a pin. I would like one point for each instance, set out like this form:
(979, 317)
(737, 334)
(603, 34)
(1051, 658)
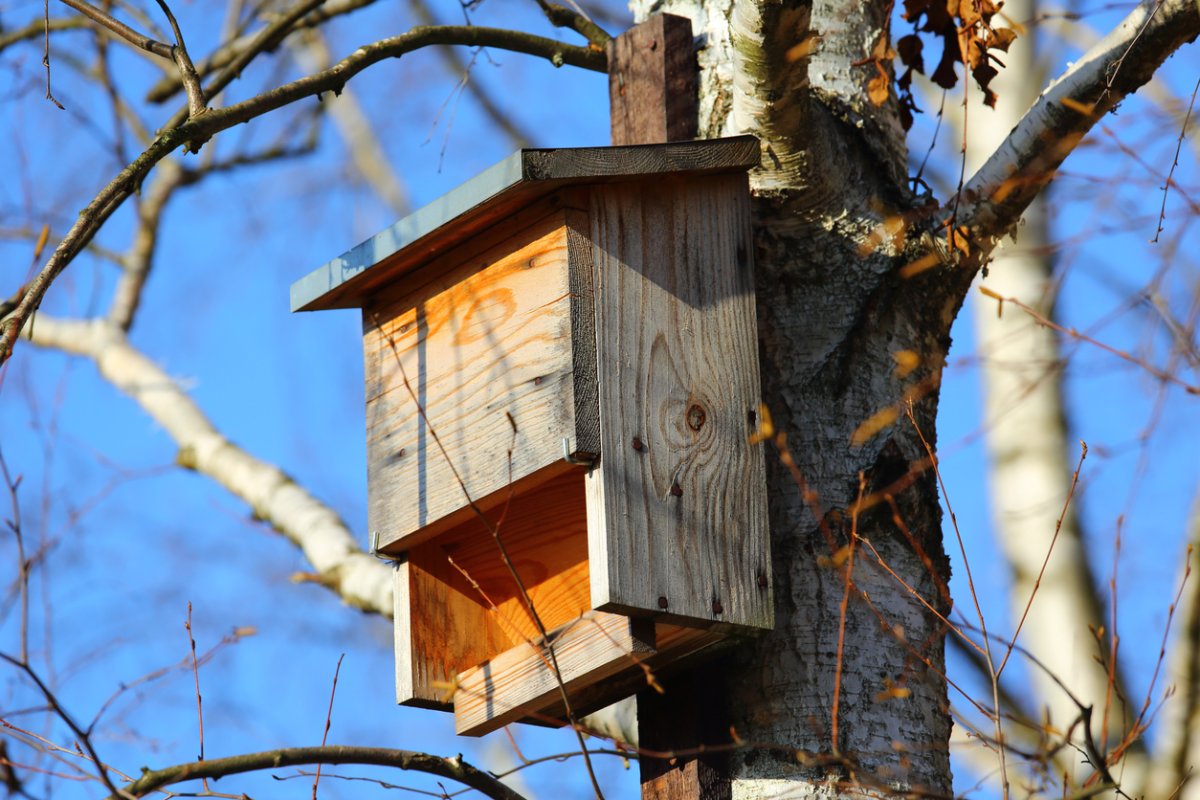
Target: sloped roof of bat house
(502, 190)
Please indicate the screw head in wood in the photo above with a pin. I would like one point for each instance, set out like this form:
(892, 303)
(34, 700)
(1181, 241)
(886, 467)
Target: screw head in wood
(662, 602)
(638, 444)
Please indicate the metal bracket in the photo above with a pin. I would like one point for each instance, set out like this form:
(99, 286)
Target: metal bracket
(570, 458)
(375, 548)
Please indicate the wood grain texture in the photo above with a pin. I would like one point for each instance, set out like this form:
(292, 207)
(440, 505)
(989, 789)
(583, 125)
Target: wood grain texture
(486, 350)
(457, 603)
(583, 336)
(652, 76)
(679, 525)
(521, 683)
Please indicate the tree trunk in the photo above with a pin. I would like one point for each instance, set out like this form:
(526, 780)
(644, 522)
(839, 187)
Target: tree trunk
(848, 691)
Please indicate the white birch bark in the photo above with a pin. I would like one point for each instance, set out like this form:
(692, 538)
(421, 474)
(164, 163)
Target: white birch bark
(361, 580)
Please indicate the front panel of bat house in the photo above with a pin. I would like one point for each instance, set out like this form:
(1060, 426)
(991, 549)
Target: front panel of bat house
(561, 389)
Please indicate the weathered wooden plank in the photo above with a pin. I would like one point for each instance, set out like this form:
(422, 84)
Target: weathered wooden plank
(521, 682)
(485, 349)
(641, 162)
(431, 600)
(350, 280)
(583, 337)
(457, 603)
(678, 502)
(652, 81)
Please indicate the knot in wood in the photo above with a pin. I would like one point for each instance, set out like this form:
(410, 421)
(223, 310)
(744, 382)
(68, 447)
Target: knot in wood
(696, 416)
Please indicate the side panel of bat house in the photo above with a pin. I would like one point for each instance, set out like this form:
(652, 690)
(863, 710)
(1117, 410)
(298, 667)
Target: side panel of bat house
(470, 379)
(677, 506)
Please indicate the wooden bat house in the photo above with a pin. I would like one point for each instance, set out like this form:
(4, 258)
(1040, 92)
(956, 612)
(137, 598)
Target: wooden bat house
(562, 389)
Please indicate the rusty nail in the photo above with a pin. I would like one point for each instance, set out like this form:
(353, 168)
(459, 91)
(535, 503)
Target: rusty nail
(400, 453)
(637, 444)
(676, 490)
(537, 381)
(662, 602)
(762, 581)
(717, 608)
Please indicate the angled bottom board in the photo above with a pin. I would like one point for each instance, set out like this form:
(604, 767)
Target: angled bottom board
(600, 658)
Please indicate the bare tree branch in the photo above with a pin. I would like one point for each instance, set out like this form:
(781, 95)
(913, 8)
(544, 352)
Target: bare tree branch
(359, 579)
(127, 33)
(83, 736)
(200, 129)
(995, 197)
(307, 14)
(563, 17)
(453, 768)
(187, 72)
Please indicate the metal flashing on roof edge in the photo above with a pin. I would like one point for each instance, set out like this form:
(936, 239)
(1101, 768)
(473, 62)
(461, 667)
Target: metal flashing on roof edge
(526, 175)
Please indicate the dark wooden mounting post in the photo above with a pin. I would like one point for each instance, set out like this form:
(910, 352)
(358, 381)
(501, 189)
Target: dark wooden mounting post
(652, 88)
(652, 82)
(689, 717)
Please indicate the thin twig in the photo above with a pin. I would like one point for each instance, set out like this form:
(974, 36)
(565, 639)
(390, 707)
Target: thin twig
(1161, 374)
(993, 674)
(849, 549)
(196, 676)
(280, 26)
(1162, 212)
(328, 721)
(46, 53)
(83, 737)
(1046, 561)
(14, 525)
